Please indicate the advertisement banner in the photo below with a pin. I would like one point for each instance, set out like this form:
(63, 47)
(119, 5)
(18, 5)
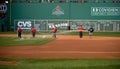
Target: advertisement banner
(24, 24)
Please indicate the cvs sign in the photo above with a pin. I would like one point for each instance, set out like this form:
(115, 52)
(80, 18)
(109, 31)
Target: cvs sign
(24, 24)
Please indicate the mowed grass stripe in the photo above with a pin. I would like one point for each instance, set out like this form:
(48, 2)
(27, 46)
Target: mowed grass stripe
(13, 41)
(62, 63)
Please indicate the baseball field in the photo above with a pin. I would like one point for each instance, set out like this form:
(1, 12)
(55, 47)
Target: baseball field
(67, 51)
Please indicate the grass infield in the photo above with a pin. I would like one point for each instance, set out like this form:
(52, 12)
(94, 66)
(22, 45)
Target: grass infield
(13, 41)
(61, 63)
(111, 34)
(107, 34)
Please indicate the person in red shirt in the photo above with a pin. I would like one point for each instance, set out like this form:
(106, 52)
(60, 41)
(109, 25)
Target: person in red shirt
(33, 30)
(81, 31)
(19, 32)
(54, 29)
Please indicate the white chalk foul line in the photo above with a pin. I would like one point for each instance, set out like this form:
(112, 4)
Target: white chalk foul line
(79, 52)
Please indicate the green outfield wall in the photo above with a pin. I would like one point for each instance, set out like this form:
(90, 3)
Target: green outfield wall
(104, 17)
(66, 16)
(70, 11)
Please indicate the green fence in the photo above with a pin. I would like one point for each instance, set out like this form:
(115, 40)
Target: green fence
(69, 11)
(104, 17)
(67, 15)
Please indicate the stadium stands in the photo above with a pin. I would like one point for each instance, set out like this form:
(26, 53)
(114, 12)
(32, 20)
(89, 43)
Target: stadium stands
(65, 1)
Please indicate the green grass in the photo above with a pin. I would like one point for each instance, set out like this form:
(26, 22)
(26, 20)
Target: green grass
(112, 34)
(25, 32)
(62, 63)
(13, 41)
(8, 32)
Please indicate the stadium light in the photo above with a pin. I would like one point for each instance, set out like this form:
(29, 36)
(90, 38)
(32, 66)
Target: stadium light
(6, 1)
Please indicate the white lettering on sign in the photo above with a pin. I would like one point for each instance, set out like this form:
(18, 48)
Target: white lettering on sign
(105, 11)
(58, 25)
(24, 24)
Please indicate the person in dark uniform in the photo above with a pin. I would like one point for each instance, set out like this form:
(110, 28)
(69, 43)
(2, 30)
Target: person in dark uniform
(91, 30)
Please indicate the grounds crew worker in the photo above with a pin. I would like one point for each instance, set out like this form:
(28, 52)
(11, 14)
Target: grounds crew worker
(19, 32)
(33, 30)
(81, 31)
(54, 29)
